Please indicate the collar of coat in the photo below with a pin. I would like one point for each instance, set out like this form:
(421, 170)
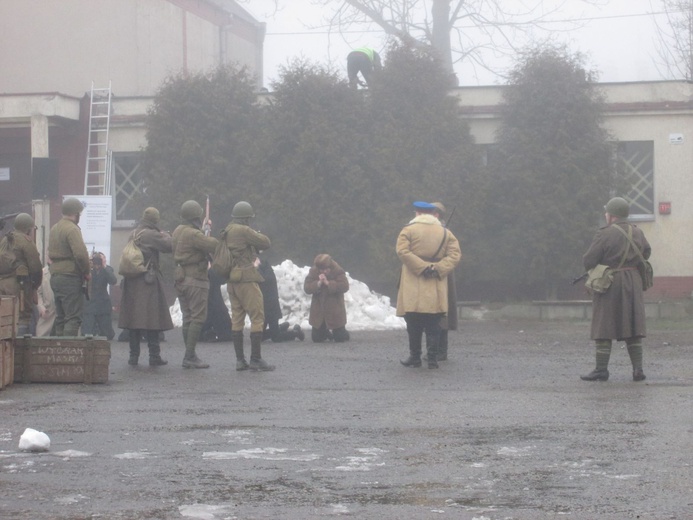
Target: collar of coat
(425, 218)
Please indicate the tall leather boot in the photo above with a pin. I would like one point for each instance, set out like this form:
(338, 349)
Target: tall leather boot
(191, 360)
(414, 359)
(155, 359)
(603, 354)
(635, 353)
(256, 361)
(237, 338)
(134, 340)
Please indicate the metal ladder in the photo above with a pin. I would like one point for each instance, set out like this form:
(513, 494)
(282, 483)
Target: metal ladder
(97, 176)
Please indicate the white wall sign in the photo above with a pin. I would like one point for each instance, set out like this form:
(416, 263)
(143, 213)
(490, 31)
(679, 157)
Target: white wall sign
(4, 174)
(675, 138)
(95, 222)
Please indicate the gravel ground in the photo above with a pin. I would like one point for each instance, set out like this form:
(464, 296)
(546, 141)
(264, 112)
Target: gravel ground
(503, 430)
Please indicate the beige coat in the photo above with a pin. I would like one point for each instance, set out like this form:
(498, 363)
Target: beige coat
(417, 244)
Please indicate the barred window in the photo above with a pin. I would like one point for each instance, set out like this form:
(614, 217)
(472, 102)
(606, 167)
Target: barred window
(636, 165)
(127, 181)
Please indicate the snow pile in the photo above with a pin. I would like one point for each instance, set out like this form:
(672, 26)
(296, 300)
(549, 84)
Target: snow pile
(366, 310)
(33, 440)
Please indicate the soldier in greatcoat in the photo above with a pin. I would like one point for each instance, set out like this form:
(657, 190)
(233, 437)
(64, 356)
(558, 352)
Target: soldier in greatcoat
(69, 267)
(428, 252)
(143, 305)
(618, 313)
(191, 253)
(244, 244)
(25, 276)
(327, 282)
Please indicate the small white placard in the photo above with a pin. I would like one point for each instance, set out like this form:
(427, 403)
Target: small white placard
(4, 174)
(675, 138)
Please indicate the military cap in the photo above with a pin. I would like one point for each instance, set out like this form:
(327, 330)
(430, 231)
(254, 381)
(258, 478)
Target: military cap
(71, 207)
(419, 204)
(440, 207)
(618, 207)
(151, 215)
(23, 222)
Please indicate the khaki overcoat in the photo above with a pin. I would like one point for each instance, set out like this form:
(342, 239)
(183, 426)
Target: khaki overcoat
(619, 313)
(417, 245)
(143, 305)
(327, 301)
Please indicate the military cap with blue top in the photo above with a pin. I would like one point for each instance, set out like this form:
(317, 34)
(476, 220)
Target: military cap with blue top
(419, 204)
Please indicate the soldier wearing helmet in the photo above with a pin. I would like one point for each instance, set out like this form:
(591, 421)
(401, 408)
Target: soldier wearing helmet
(618, 313)
(244, 244)
(24, 276)
(191, 253)
(143, 304)
(69, 267)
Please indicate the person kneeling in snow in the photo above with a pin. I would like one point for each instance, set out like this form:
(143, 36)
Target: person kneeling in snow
(327, 282)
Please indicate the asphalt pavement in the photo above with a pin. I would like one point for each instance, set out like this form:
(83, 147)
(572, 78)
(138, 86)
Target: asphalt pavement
(504, 430)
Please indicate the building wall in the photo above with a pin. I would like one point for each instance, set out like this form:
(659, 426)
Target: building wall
(135, 44)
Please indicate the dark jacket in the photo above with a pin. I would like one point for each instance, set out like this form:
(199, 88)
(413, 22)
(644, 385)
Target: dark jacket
(327, 302)
(143, 305)
(270, 292)
(99, 300)
(619, 313)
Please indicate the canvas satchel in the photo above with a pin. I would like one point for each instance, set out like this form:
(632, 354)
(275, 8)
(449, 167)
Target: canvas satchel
(601, 276)
(131, 259)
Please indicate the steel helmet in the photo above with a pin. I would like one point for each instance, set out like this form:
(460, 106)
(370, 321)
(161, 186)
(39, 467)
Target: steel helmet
(23, 222)
(242, 209)
(618, 207)
(190, 210)
(72, 207)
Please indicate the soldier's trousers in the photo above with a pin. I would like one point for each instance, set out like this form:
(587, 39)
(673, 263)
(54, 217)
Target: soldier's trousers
(69, 303)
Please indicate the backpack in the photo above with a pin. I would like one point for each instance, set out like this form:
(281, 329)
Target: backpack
(221, 260)
(131, 259)
(8, 260)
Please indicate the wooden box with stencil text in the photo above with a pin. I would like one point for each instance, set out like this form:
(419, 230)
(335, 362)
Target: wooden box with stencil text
(61, 360)
(9, 314)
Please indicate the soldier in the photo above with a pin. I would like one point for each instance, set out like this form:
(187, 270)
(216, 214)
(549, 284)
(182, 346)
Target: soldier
(24, 277)
(429, 252)
(69, 267)
(244, 243)
(618, 313)
(327, 282)
(97, 318)
(191, 250)
(143, 305)
(364, 60)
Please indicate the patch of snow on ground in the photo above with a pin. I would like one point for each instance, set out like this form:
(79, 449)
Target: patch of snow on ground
(366, 310)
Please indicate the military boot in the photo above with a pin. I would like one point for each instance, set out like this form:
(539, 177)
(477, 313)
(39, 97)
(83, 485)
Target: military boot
(603, 353)
(300, 335)
(442, 353)
(237, 338)
(256, 361)
(414, 359)
(635, 353)
(134, 340)
(191, 360)
(155, 359)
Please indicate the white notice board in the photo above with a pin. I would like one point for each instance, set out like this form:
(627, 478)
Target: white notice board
(95, 222)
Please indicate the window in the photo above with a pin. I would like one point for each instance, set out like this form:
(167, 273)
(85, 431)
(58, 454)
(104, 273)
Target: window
(127, 181)
(636, 165)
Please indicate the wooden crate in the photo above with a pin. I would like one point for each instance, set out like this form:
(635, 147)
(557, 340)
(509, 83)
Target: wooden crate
(61, 360)
(9, 314)
(6, 363)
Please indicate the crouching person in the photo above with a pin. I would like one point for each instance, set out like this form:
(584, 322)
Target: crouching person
(327, 282)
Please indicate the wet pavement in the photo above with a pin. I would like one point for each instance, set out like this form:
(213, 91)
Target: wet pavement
(503, 430)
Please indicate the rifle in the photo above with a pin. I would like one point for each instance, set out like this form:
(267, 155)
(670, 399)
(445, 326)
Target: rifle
(447, 222)
(6, 217)
(581, 277)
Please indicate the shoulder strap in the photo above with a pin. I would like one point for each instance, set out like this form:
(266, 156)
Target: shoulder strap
(442, 242)
(629, 236)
